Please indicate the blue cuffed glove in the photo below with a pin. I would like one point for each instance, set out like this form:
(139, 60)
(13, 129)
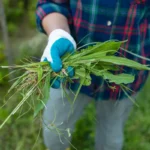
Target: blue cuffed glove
(59, 43)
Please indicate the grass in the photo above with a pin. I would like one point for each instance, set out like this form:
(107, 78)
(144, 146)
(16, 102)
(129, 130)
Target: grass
(18, 134)
(138, 126)
(21, 134)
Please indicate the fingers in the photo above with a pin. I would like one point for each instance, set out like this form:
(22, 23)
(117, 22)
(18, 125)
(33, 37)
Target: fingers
(59, 48)
(55, 83)
(53, 53)
(56, 62)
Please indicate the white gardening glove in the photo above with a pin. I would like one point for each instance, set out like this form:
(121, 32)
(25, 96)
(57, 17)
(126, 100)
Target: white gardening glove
(59, 43)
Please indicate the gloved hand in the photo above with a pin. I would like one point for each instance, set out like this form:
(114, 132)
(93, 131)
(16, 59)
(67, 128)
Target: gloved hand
(59, 43)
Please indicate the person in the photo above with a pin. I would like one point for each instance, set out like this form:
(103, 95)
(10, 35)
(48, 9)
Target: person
(70, 24)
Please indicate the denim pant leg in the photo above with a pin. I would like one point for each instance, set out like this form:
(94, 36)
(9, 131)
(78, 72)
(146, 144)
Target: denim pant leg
(59, 119)
(111, 118)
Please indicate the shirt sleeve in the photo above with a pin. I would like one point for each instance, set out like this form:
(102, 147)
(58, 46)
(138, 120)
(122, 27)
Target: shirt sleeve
(45, 7)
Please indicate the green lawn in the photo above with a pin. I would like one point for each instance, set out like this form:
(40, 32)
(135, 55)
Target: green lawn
(22, 133)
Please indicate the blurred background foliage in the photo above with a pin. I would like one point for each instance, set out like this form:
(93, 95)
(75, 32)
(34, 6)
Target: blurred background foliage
(17, 11)
(24, 133)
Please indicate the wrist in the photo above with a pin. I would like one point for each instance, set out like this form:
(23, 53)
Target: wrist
(59, 33)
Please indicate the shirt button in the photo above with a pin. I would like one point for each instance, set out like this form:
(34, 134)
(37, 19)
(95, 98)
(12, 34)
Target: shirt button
(109, 23)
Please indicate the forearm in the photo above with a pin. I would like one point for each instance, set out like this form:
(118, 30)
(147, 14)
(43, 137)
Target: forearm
(55, 21)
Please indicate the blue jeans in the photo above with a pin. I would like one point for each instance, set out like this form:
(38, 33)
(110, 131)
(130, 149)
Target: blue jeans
(59, 119)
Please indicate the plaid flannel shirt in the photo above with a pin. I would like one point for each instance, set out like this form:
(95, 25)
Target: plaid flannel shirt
(104, 20)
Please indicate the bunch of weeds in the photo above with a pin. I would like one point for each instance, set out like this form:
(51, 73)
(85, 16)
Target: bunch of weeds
(98, 59)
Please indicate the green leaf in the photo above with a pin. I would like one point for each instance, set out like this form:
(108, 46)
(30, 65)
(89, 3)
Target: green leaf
(87, 80)
(105, 46)
(80, 72)
(119, 78)
(124, 62)
(96, 55)
(97, 72)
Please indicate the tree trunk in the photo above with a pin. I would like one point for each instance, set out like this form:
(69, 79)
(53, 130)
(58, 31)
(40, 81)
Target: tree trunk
(26, 4)
(3, 23)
